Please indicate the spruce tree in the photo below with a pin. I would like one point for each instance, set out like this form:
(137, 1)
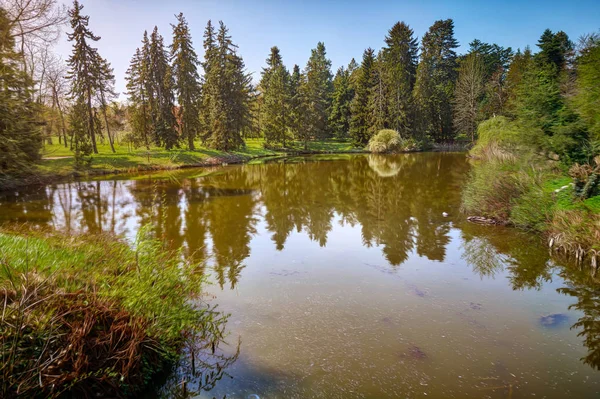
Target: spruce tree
(88, 71)
(343, 93)
(362, 119)
(139, 111)
(400, 58)
(317, 92)
(209, 81)
(162, 82)
(187, 86)
(106, 93)
(378, 98)
(20, 137)
(226, 92)
(434, 87)
(297, 114)
(275, 109)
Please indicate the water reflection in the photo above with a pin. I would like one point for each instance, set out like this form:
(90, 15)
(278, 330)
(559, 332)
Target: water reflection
(395, 202)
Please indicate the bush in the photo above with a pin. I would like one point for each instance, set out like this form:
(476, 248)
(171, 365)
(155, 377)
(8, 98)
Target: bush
(388, 140)
(491, 191)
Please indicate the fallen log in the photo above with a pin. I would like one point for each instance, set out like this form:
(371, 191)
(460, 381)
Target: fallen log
(483, 220)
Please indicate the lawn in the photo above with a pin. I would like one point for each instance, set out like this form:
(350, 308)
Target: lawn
(58, 160)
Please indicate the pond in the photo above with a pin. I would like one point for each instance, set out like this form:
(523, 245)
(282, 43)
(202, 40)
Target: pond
(354, 277)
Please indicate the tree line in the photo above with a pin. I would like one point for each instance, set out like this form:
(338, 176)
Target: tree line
(421, 88)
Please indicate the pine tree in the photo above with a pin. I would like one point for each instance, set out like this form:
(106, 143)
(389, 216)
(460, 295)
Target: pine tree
(343, 93)
(555, 50)
(378, 98)
(20, 137)
(275, 92)
(226, 92)
(187, 84)
(521, 62)
(495, 61)
(317, 92)
(106, 93)
(209, 81)
(88, 71)
(297, 106)
(139, 111)
(400, 58)
(361, 119)
(161, 80)
(436, 74)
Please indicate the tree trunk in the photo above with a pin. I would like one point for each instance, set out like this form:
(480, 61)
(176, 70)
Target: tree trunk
(110, 140)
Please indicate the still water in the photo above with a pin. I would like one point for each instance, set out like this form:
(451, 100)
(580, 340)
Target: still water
(344, 279)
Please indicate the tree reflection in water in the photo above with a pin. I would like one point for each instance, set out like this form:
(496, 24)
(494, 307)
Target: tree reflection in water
(396, 201)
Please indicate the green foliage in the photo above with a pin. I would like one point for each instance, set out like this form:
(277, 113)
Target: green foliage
(145, 300)
(362, 119)
(226, 92)
(186, 85)
(276, 100)
(343, 93)
(316, 91)
(20, 135)
(399, 63)
(491, 191)
(388, 140)
(88, 75)
(436, 75)
(587, 98)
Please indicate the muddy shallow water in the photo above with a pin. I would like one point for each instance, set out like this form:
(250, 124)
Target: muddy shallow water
(344, 279)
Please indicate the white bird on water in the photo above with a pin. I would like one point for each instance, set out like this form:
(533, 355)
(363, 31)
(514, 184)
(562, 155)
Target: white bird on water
(444, 214)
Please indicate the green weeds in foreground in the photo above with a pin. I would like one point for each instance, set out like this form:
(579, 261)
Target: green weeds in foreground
(91, 315)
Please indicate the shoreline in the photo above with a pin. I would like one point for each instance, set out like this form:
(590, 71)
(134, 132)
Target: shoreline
(43, 177)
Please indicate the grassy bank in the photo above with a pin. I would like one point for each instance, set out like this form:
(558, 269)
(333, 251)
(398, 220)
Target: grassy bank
(58, 162)
(511, 183)
(93, 317)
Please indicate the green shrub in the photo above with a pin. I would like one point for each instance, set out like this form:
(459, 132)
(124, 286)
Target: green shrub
(388, 140)
(491, 191)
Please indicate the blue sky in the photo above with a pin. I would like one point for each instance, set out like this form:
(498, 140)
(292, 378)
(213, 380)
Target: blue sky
(346, 27)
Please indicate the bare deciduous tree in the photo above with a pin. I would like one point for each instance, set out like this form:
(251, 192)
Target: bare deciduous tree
(468, 92)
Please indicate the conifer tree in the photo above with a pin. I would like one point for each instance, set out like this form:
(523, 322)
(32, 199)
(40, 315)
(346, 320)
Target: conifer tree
(209, 81)
(226, 92)
(343, 93)
(187, 86)
(400, 58)
(275, 107)
(106, 93)
(161, 80)
(297, 106)
(139, 111)
(87, 72)
(317, 91)
(361, 119)
(555, 50)
(378, 98)
(436, 75)
(20, 138)
(521, 62)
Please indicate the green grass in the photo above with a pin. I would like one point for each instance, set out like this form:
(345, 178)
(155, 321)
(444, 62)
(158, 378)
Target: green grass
(100, 300)
(58, 160)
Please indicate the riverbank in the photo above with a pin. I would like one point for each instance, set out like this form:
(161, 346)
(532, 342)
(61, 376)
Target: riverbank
(513, 183)
(90, 316)
(57, 162)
